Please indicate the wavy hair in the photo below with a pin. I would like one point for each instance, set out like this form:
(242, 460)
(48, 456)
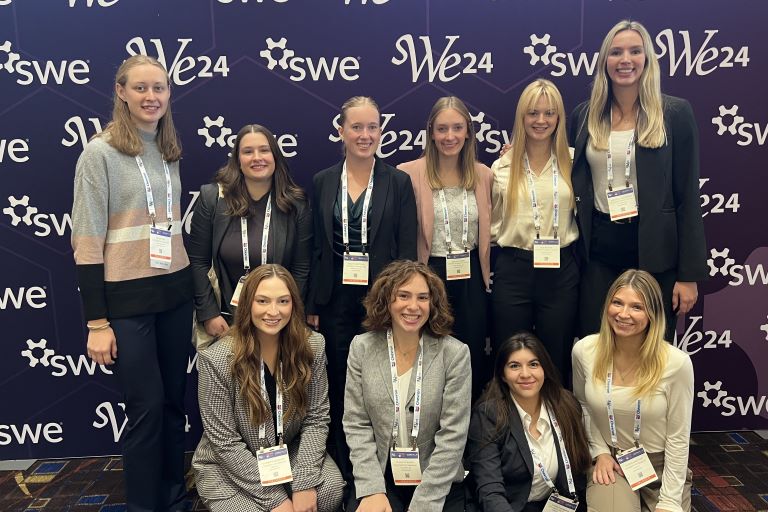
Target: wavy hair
(559, 142)
(650, 129)
(286, 192)
(498, 398)
(654, 350)
(295, 353)
(123, 134)
(468, 154)
(382, 294)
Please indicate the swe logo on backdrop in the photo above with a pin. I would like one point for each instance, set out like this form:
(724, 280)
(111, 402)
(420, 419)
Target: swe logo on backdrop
(29, 72)
(279, 55)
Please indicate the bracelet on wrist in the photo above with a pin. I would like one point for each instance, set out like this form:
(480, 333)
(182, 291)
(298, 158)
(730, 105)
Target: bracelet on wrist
(97, 327)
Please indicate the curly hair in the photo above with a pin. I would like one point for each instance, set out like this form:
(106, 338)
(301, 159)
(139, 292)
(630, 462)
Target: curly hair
(382, 294)
(295, 353)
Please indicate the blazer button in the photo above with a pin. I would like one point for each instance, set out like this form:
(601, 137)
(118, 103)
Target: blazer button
(410, 409)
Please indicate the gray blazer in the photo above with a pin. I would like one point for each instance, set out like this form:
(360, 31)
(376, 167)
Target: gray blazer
(225, 460)
(369, 414)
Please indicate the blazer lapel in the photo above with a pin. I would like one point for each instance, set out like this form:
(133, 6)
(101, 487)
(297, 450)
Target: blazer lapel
(220, 223)
(430, 351)
(278, 231)
(328, 199)
(516, 429)
(381, 355)
(378, 198)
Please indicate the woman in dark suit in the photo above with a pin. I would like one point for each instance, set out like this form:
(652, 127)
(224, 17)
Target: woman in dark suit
(408, 358)
(362, 190)
(263, 392)
(525, 410)
(652, 220)
(253, 190)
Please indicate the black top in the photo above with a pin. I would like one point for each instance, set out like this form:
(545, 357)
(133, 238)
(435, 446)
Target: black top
(355, 209)
(271, 385)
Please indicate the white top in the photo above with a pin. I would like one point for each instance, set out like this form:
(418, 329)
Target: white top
(598, 164)
(404, 430)
(666, 415)
(455, 203)
(545, 449)
(518, 230)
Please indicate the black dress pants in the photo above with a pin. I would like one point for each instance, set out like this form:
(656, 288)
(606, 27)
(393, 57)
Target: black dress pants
(152, 355)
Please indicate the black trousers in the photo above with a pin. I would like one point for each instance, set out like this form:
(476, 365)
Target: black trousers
(540, 300)
(614, 249)
(469, 303)
(340, 321)
(151, 365)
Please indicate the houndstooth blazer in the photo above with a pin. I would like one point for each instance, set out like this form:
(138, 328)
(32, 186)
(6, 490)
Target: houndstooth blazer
(225, 460)
(369, 413)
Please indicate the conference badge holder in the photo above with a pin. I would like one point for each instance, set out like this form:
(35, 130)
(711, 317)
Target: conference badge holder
(274, 465)
(637, 467)
(355, 269)
(406, 468)
(457, 266)
(559, 503)
(159, 248)
(622, 203)
(546, 253)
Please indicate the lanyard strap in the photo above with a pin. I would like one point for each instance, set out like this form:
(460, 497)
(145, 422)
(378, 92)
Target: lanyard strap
(535, 201)
(264, 236)
(566, 460)
(612, 417)
(278, 407)
(464, 220)
(627, 162)
(396, 390)
(345, 213)
(151, 198)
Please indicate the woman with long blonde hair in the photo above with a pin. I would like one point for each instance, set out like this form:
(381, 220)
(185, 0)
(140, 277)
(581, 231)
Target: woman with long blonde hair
(263, 388)
(636, 174)
(134, 276)
(637, 391)
(536, 277)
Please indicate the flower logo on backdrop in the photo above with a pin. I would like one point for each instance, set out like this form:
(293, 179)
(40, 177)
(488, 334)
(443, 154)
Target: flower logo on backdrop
(733, 126)
(279, 45)
(484, 127)
(714, 267)
(548, 49)
(764, 328)
(704, 394)
(8, 65)
(11, 210)
(223, 131)
(37, 353)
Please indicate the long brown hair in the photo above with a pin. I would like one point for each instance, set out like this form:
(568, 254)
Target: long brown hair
(285, 191)
(468, 155)
(295, 354)
(561, 402)
(123, 135)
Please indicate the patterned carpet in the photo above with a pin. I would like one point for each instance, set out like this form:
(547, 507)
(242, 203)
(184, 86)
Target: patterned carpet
(730, 473)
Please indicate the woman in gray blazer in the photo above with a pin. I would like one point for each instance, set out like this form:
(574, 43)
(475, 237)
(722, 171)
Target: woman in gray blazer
(268, 362)
(407, 359)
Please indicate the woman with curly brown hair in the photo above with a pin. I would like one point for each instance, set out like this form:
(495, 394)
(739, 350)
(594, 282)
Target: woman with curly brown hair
(407, 400)
(263, 395)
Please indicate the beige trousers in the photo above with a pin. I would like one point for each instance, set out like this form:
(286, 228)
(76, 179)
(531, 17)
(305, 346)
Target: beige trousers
(619, 497)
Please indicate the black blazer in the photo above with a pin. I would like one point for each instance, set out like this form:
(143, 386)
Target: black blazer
(501, 471)
(291, 232)
(671, 230)
(393, 225)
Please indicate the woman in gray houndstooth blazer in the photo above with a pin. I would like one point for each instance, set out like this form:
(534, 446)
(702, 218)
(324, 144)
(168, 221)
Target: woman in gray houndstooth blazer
(408, 301)
(237, 400)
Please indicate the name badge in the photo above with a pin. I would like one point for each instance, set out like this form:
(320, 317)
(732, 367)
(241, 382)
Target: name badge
(406, 468)
(546, 253)
(457, 266)
(274, 466)
(637, 467)
(236, 294)
(622, 203)
(558, 503)
(159, 248)
(355, 269)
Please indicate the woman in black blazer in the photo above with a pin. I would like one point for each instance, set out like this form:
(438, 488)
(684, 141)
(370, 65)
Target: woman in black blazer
(664, 233)
(525, 393)
(255, 181)
(333, 307)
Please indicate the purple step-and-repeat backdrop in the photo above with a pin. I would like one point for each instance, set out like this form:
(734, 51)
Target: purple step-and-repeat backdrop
(289, 64)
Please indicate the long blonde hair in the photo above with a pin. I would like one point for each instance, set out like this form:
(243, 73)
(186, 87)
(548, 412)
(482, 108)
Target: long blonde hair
(528, 98)
(123, 134)
(468, 153)
(650, 131)
(653, 351)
